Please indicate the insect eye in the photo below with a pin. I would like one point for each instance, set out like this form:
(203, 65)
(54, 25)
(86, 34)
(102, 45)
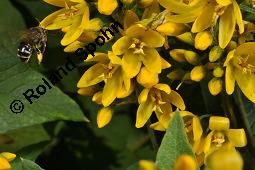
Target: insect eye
(24, 50)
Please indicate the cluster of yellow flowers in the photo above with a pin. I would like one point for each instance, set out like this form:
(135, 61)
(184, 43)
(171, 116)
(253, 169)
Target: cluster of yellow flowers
(134, 63)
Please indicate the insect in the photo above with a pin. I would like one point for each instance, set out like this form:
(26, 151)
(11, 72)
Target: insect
(32, 41)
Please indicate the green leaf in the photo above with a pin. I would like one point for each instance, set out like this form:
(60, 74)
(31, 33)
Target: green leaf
(247, 112)
(29, 165)
(247, 8)
(24, 137)
(174, 144)
(16, 78)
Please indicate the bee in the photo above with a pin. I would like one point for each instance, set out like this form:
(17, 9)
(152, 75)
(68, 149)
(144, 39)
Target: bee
(32, 41)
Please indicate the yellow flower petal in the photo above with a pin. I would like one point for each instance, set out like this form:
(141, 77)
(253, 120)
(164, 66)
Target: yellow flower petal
(143, 95)
(111, 88)
(73, 33)
(204, 20)
(106, 7)
(197, 128)
(123, 92)
(4, 164)
(218, 123)
(49, 23)
(226, 26)
(144, 112)
(237, 137)
(152, 39)
(87, 91)
(92, 76)
(130, 18)
(131, 64)
(238, 15)
(176, 100)
(229, 80)
(104, 116)
(152, 60)
(246, 82)
(136, 30)
(147, 78)
(225, 2)
(182, 18)
(121, 45)
(164, 63)
(229, 57)
(163, 87)
(207, 141)
(246, 49)
(95, 24)
(97, 97)
(59, 3)
(151, 10)
(157, 126)
(9, 156)
(113, 58)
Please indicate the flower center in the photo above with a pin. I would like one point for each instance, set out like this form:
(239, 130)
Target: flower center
(244, 65)
(70, 12)
(218, 138)
(137, 46)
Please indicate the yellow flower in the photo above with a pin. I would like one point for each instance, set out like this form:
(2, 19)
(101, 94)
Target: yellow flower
(107, 69)
(222, 136)
(203, 40)
(225, 158)
(205, 13)
(160, 99)
(5, 158)
(240, 67)
(138, 46)
(185, 162)
(73, 19)
(106, 7)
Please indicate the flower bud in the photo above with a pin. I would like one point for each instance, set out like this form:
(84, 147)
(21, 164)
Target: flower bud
(218, 72)
(127, 2)
(104, 116)
(191, 57)
(97, 97)
(144, 3)
(7, 155)
(224, 158)
(87, 91)
(231, 45)
(171, 28)
(147, 165)
(186, 37)
(178, 55)
(203, 40)
(215, 53)
(215, 86)
(176, 74)
(147, 78)
(185, 162)
(197, 73)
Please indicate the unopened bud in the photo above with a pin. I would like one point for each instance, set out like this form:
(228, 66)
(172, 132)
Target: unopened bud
(186, 37)
(215, 53)
(203, 40)
(176, 74)
(231, 45)
(104, 116)
(147, 78)
(185, 162)
(97, 97)
(197, 73)
(215, 86)
(178, 55)
(127, 1)
(191, 57)
(171, 28)
(218, 72)
(144, 3)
